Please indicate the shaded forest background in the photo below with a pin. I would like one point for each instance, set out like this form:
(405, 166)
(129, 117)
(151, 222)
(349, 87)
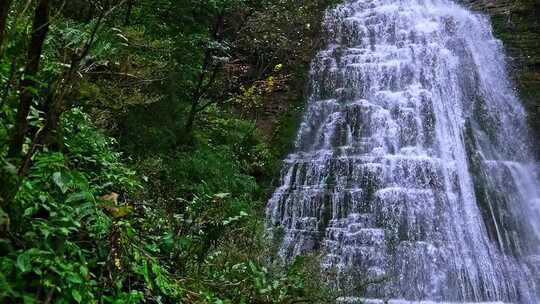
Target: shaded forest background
(139, 141)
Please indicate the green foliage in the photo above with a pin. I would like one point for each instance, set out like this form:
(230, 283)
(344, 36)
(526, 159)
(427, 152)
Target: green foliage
(118, 211)
(60, 238)
(286, 33)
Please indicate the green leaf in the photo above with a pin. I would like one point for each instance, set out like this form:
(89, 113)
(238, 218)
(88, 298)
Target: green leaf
(221, 196)
(168, 240)
(146, 275)
(80, 196)
(29, 211)
(84, 270)
(61, 180)
(24, 262)
(184, 243)
(76, 295)
(74, 278)
(9, 168)
(27, 299)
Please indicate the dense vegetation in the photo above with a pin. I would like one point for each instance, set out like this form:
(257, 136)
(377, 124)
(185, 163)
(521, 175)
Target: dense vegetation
(138, 141)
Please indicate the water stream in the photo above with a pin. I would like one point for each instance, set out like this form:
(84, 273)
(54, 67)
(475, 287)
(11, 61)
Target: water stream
(413, 173)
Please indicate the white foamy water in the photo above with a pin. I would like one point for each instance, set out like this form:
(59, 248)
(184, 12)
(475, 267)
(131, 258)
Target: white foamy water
(412, 168)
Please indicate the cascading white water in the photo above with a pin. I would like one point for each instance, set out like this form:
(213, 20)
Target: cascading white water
(412, 169)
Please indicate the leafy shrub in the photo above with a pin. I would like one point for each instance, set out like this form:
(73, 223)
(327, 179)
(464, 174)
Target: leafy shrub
(60, 244)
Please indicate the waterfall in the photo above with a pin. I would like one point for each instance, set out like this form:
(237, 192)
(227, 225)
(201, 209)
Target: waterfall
(413, 173)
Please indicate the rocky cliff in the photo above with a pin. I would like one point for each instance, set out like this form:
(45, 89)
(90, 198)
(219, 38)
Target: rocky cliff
(517, 24)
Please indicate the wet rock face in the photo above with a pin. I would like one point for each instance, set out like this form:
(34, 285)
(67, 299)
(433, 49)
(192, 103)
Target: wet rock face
(413, 169)
(517, 24)
(494, 7)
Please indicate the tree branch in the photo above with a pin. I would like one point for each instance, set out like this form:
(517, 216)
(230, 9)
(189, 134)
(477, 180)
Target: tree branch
(41, 28)
(55, 103)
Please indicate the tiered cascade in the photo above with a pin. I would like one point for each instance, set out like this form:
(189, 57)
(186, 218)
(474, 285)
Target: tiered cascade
(412, 170)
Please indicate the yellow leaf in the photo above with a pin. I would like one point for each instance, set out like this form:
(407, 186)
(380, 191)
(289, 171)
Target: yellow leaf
(111, 197)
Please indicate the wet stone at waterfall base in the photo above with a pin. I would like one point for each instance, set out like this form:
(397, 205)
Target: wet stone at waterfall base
(413, 173)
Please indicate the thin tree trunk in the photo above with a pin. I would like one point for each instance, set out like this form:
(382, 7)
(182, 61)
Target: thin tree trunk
(4, 9)
(188, 127)
(50, 134)
(185, 135)
(128, 13)
(40, 29)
